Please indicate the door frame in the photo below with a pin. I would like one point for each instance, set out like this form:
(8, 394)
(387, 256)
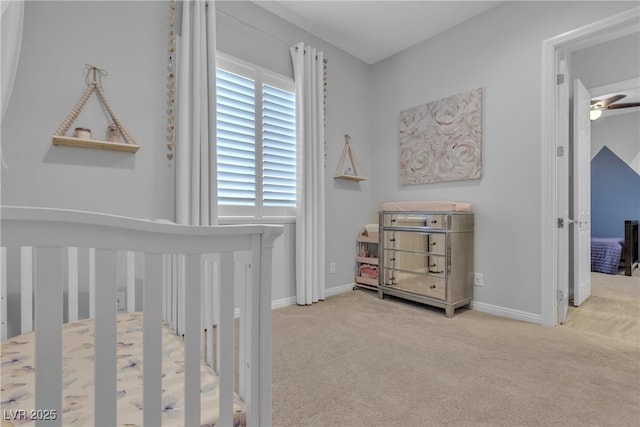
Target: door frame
(595, 33)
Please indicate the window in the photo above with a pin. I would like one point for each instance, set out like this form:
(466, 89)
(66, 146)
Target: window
(256, 150)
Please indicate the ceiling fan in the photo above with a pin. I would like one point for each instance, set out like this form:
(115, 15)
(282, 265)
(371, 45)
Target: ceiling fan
(610, 103)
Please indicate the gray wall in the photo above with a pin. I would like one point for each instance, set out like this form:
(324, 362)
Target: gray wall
(128, 40)
(608, 62)
(499, 51)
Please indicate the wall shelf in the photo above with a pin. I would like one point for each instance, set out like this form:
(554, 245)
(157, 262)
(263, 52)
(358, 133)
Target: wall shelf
(92, 143)
(344, 171)
(351, 177)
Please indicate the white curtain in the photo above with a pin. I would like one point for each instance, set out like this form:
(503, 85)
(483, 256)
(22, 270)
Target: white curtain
(308, 68)
(12, 17)
(196, 183)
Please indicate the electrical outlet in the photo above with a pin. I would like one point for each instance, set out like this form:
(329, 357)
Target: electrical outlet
(478, 280)
(332, 268)
(120, 301)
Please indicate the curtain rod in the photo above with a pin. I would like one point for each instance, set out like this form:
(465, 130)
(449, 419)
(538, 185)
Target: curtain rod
(257, 29)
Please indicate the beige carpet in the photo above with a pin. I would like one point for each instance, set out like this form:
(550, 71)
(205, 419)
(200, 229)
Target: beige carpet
(356, 360)
(612, 310)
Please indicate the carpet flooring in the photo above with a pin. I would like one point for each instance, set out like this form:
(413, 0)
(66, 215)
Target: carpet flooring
(357, 360)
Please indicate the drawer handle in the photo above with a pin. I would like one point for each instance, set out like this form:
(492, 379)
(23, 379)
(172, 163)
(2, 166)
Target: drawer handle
(392, 259)
(393, 220)
(392, 240)
(433, 265)
(432, 286)
(433, 243)
(434, 221)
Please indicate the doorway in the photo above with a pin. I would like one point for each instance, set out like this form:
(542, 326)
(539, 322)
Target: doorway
(554, 204)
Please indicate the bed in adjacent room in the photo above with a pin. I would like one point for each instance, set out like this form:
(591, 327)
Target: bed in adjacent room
(609, 254)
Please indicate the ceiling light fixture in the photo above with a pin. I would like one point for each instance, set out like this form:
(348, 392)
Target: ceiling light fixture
(595, 114)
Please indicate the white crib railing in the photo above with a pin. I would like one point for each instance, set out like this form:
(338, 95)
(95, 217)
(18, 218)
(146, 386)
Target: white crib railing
(177, 260)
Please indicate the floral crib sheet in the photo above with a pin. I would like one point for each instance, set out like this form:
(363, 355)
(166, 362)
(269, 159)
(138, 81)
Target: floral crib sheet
(18, 378)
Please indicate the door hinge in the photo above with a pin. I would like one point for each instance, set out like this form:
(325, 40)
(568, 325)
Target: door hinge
(560, 222)
(561, 295)
(559, 151)
(559, 79)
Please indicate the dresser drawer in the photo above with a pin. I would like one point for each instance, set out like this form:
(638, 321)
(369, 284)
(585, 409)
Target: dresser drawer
(434, 287)
(414, 220)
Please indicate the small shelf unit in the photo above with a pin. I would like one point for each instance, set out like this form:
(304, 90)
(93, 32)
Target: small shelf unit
(367, 261)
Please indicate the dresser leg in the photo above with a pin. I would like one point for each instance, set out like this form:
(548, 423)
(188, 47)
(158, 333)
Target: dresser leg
(448, 311)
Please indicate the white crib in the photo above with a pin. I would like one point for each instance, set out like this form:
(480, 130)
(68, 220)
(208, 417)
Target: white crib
(186, 277)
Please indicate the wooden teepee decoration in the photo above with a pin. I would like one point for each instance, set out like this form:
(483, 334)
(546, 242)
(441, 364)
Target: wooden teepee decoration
(352, 170)
(59, 137)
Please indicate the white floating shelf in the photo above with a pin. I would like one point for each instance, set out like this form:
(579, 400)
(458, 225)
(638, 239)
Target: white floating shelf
(92, 143)
(351, 177)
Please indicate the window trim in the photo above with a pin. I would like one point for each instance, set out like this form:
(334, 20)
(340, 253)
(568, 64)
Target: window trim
(260, 76)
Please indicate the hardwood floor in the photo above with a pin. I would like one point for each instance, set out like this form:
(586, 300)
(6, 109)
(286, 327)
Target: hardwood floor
(613, 309)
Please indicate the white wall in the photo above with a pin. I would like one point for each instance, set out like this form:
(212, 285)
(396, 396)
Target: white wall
(128, 40)
(608, 62)
(501, 52)
(621, 134)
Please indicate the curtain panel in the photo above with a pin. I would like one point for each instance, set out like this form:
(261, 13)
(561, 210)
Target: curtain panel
(12, 19)
(308, 67)
(196, 188)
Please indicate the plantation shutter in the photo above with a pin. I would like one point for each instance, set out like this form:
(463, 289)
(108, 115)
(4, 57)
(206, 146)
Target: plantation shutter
(236, 139)
(279, 147)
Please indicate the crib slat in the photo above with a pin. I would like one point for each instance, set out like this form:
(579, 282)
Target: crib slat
(192, 341)
(131, 281)
(26, 286)
(225, 339)
(174, 292)
(243, 277)
(207, 309)
(3, 290)
(48, 334)
(152, 339)
(72, 292)
(105, 337)
(258, 306)
(92, 283)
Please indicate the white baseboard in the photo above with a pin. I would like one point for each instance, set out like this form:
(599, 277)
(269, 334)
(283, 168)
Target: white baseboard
(285, 302)
(506, 312)
(496, 310)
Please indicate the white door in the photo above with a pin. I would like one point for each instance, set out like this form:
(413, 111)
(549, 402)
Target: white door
(581, 193)
(562, 174)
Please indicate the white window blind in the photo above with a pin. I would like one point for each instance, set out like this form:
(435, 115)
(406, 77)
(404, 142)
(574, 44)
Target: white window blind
(256, 141)
(236, 139)
(279, 147)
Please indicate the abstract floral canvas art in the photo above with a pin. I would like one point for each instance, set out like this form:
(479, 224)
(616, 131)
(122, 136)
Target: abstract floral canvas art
(442, 140)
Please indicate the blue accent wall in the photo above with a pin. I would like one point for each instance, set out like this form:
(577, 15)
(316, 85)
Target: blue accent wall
(615, 194)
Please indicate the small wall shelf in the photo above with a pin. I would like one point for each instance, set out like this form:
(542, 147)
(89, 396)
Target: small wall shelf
(92, 143)
(351, 177)
(343, 171)
(117, 128)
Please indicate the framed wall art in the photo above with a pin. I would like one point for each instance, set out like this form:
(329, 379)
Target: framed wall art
(442, 140)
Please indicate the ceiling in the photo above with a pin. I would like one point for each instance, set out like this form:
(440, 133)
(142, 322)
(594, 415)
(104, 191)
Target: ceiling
(374, 30)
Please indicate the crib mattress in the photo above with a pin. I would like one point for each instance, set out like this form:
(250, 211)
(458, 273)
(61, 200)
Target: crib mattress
(427, 206)
(18, 376)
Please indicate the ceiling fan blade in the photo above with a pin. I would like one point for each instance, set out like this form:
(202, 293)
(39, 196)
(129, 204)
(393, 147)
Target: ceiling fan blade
(623, 105)
(597, 104)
